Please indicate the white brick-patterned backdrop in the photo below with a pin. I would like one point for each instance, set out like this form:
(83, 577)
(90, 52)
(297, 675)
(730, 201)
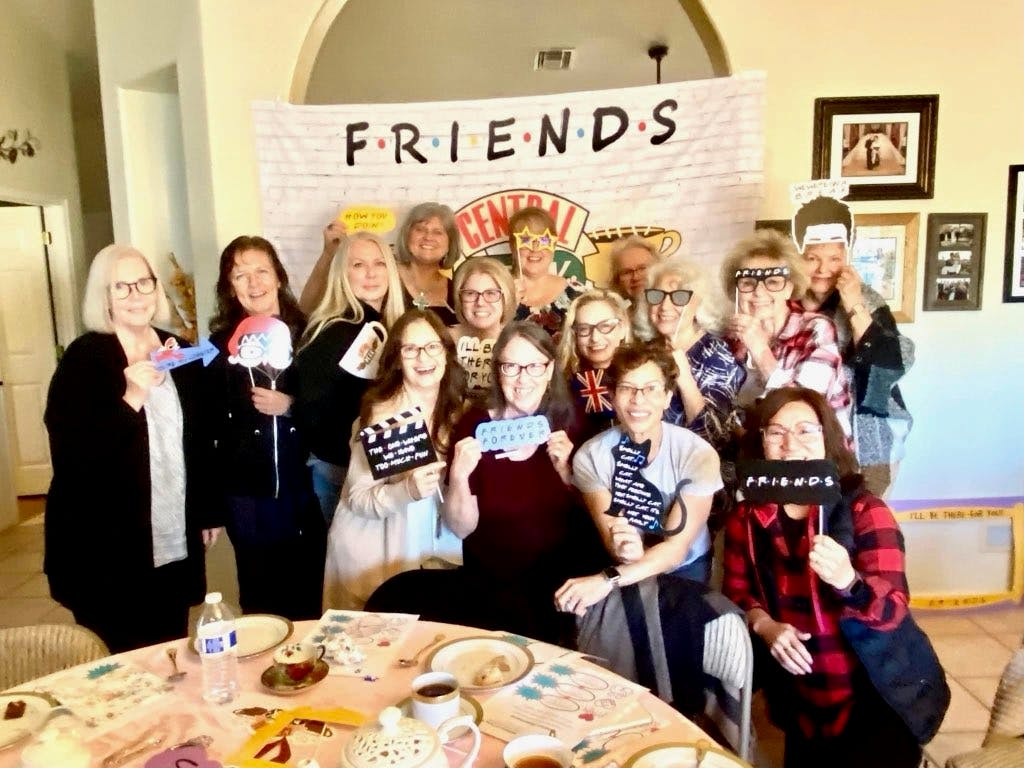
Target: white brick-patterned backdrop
(705, 181)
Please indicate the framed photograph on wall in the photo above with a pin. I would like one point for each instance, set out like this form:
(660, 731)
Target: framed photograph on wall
(1013, 273)
(883, 145)
(954, 261)
(884, 254)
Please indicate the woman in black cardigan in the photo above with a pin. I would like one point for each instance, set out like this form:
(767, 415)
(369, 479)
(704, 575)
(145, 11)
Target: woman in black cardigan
(125, 530)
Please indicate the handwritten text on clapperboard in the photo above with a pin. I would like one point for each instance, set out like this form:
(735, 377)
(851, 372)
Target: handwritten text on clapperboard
(397, 444)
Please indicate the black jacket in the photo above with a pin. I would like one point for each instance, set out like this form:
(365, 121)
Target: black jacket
(98, 535)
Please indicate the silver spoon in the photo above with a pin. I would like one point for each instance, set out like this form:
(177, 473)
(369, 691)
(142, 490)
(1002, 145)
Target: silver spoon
(416, 659)
(177, 674)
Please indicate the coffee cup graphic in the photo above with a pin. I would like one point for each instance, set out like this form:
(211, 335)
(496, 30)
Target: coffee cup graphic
(599, 268)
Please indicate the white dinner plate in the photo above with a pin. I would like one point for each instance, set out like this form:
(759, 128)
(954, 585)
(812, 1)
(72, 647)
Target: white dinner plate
(257, 633)
(680, 755)
(465, 657)
(37, 710)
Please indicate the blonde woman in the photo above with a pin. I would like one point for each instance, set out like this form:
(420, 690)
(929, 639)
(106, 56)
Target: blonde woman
(123, 514)
(677, 309)
(484, 304)
(363, 288)
(595, 325)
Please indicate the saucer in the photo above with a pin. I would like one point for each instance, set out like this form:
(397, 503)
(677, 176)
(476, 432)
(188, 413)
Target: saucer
(276, 680)
(467, 706)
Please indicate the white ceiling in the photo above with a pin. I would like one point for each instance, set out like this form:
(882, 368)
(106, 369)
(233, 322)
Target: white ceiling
(412, 50)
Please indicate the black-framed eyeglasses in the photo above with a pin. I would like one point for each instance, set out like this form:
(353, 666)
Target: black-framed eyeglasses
(803, 431)
(491, 295)
(680, 297)
(143, 286)
(586, 330)
(775, 279)
(412, 351)
(511, 370)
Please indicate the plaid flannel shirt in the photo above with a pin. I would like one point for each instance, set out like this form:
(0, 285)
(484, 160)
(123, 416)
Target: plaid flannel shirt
(801, 599)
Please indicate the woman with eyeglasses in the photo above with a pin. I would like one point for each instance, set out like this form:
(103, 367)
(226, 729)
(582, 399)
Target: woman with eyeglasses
(543, 296)
(127, 514)
(796, 582)
(595, 325)
(678, 311)
(263, 480)
(363, 293)
(521, 525)
(383, 527)
(484, 304)
(779, 342)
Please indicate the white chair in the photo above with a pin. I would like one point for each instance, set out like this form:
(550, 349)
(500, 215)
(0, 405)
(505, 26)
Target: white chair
(729, 657)
(40, 649)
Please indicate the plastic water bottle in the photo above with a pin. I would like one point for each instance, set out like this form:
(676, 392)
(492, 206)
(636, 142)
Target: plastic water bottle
(218, 650)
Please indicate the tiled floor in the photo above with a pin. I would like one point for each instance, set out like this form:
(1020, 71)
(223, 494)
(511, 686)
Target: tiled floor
(973, 646)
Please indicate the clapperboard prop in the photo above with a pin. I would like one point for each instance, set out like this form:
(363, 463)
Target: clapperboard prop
(634, 496)
(509, 434)
(815, 482)
(397, 443)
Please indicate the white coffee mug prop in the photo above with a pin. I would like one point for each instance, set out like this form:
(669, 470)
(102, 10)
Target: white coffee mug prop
(363, 355)
(435, 698)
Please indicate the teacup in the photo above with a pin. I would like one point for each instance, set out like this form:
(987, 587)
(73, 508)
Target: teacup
(435, 698)
(298, 659)
(536, 751)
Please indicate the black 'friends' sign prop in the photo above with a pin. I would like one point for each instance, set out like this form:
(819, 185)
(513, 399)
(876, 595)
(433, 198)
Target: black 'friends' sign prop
(789, 482)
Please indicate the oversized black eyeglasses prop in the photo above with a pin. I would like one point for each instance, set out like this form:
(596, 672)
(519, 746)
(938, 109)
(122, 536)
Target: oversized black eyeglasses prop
(636, 498)
(774, 279)
(765, 481)
(397, 443)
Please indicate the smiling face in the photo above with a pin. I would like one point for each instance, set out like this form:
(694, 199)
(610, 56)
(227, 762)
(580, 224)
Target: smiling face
(824, 261)
(480, 313)
(428, 241)
(137, 309)
(800, 429)
(523, 392)
(367, 272)
(537, 252)
(666, 317)
(255, 284)
(424, 370)
(631, 276)
(641, 396)
(593, 345)
(762, 303)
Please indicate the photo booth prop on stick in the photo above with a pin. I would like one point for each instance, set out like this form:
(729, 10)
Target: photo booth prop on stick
(767, 481)
(261, 344)
(636, 498)
(509, 434)
(397, 443)
(169, 356)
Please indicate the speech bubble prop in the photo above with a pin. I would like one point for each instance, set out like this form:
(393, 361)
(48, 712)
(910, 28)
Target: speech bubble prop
(171, 356)
(509, 434)
(634, 496)
(369, 218)
(397, 443)
(261, 341)
(789, 482)
(805, 191)
(475, 356)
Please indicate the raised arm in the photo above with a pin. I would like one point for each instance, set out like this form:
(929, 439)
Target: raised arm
(316, 283)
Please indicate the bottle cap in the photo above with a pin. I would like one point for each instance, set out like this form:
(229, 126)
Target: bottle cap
(213, 598)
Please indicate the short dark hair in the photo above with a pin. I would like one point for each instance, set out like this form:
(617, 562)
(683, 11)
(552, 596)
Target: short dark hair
(629, 357)
(835, 439)
(557, 403)
(820, 210)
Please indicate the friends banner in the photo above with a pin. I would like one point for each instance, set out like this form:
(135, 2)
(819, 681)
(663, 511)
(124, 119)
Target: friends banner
(679, 164)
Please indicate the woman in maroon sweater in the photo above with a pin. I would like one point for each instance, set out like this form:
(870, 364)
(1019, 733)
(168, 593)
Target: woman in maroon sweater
(523, 527)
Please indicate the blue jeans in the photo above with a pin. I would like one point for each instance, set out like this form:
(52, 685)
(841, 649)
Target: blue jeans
(327, 481)
(699, 570)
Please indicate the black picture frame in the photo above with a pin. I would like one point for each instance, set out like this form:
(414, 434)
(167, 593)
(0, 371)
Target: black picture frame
(1013, 267)
(914, 147)
(954, 268)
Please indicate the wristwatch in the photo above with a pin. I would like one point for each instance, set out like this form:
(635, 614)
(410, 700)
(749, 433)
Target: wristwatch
(611, 574)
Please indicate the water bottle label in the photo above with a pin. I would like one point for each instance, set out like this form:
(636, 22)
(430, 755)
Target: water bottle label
(219, 643)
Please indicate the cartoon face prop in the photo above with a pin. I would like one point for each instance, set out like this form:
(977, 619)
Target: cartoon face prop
(261, 341)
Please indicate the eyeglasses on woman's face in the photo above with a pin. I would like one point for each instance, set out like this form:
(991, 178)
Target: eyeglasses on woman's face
(680, 297)
(143, 286)
(629, 391)
(411, 351)
(511, 370)
(490, 295)
(775, 279)
(534, 242)
(586, 330)
(803, 431)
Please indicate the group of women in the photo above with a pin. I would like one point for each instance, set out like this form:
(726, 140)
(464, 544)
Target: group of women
(648, 384)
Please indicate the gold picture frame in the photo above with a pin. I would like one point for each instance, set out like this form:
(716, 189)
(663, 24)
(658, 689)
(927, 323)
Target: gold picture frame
(884, 253)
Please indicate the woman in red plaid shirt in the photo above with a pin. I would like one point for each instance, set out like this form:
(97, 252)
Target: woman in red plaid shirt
(796, 584)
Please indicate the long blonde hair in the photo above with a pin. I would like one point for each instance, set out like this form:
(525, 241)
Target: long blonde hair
(96, 301)
(568, 357)
(340, 303)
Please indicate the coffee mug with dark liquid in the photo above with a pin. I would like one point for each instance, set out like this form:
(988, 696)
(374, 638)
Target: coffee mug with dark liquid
(435, 698)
